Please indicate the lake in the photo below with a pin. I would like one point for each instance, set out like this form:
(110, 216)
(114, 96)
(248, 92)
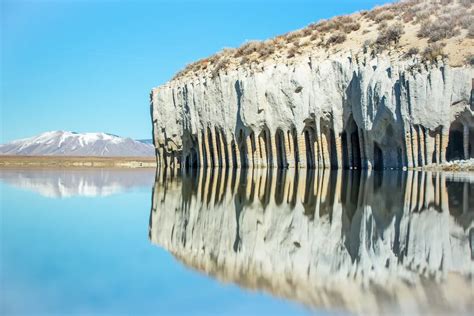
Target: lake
(253, 242)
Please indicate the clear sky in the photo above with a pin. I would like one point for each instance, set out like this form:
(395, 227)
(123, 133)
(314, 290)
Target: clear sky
(88, 66)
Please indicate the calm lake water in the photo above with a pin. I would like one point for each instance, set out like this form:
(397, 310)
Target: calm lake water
(248, 243)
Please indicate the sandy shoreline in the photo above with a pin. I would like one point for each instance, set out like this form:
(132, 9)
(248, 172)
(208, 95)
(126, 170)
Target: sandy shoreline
(67, 161)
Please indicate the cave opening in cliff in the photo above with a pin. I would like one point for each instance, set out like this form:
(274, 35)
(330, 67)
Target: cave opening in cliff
(378, 157)
(455, 150)
(280, 148)
(351, 148)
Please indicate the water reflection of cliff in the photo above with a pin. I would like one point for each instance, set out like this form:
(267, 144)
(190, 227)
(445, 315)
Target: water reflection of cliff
(393, 242)
(61, 183)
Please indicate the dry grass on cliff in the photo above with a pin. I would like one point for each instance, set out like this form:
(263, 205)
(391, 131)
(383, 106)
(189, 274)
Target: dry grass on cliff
(428, 29)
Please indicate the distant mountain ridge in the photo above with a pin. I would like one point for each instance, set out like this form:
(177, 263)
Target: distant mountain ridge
(66, 143)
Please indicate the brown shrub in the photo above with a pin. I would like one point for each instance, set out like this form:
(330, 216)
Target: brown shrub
(470, 60)
(336, 38)
(470, 31)
(412, 52)
(384, 16)
(432, 52)
(391, 34)
(438, 30)
(292, 52)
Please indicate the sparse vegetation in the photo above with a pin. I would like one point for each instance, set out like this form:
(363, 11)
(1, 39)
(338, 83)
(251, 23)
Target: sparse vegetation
(390, 35)
(436, 21)
(336, 38)
(432, 53)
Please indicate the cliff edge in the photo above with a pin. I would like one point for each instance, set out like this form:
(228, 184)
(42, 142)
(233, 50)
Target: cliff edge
(387, 88)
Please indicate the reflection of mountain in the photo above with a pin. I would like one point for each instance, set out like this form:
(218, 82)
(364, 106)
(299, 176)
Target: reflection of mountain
(397, 243)
(60, 183)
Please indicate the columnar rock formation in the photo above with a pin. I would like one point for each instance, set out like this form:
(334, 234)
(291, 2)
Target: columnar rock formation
(345, 111)
(365, 243)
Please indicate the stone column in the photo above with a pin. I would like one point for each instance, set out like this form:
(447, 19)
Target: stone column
(316, 152)
(222, 148)
(238, 162)
(207, 149)
(288, 151)
(409, 148)
(466, 141)
(350, 162)
(230, 154)
(273, 150)
(363, 157)
(325, 151)
(429, 147)
(414, 142)
(249, 153)
(256, 152)
(369, 152)
(200, 150)
(160, 160)
(437, 148)
(263, 150)
(215, 149)
(421, 136)
(338, 143)
(444, 140)
(301, 150)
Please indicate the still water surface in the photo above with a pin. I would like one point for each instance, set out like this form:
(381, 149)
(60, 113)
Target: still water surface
(253, 243)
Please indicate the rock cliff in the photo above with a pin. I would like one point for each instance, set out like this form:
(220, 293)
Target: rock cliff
(364, 243)
(343, 107)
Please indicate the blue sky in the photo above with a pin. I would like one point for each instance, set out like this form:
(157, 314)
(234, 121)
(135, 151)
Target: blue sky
(89, 66)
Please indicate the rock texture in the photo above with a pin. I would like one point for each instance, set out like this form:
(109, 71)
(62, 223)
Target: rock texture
(348, 111)
(369, 244)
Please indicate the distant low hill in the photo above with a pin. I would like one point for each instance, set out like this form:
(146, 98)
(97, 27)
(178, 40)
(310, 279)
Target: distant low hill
(64, 143)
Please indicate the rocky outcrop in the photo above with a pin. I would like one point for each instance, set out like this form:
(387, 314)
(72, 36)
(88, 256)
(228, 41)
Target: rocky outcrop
(346, 111)
(360, 242)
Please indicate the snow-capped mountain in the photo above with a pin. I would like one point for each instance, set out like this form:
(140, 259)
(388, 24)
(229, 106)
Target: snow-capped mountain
(63, 143)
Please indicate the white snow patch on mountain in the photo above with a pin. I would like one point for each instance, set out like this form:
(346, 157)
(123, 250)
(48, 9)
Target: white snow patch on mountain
(65, 143)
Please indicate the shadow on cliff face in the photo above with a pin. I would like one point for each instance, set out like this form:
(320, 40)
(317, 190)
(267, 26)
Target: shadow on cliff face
(368, 243)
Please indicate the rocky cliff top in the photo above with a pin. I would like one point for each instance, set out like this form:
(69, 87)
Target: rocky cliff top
(426, 30)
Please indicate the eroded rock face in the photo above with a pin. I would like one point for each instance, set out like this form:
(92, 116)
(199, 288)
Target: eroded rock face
(345, 111)
(364, 243)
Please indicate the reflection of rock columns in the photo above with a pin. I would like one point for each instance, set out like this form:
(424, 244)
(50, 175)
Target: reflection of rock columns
(301, 151)
(207, 149)
(215, 151)
(466, 141)
(444, 143)
(288, 150)
(249, 155)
